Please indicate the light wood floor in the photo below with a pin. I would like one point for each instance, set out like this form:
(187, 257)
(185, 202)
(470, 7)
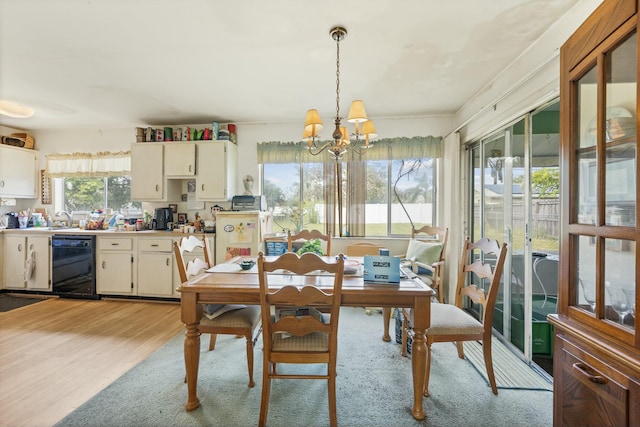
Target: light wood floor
(56, 354)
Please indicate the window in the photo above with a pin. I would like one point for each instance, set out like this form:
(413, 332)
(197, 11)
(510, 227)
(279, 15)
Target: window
(90, 194)
(396, 193)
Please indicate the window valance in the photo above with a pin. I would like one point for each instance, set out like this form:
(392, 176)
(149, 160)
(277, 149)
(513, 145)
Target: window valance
(400, 148)
(88, 164)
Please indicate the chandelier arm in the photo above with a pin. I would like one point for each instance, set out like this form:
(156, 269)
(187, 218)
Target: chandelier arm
(319, 149)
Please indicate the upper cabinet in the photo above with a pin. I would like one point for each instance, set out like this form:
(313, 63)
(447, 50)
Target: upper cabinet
(18, 172)
(597, 345)
(179, 159)
(148, 182)
(217, 170)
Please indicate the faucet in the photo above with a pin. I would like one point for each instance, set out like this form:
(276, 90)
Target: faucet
(68, 215)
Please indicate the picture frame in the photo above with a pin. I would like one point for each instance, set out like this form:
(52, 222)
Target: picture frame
(191, 186)
(182, 218)
(174, 208)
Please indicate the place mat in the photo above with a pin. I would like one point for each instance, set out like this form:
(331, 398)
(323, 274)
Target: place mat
(510, 371)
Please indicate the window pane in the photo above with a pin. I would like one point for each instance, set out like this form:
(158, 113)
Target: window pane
(619, 276)
(412, 196)
(83, 194)
(281, 188)
(586, 276)
(377, 198)
(119, 195)
(586, 155)
(312, 203)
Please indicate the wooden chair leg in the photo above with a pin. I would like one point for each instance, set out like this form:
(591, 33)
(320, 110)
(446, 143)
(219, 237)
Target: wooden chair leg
(460, 349)
(405, 333)
(425, 388)
(333, 417)
(266, 390)
(386, 318)
(250, 358)
(488, 363)
(212, 342)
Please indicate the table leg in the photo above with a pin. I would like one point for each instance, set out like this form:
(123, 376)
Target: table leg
(421, 320)
(386, 318)
(191, 318)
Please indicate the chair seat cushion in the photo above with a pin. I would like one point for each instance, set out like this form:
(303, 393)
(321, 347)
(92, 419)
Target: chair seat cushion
(315, 341)
(447, 319)
(247, 317)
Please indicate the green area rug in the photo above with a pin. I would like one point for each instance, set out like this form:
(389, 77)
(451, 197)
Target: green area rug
(374, 388)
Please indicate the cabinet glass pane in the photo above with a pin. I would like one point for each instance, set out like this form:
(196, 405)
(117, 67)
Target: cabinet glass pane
(587, 94)
(620, 268)
(620, 189)
(586, 272)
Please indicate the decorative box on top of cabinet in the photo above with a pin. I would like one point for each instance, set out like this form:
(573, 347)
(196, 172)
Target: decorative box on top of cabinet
(18, 172)
(597, 344)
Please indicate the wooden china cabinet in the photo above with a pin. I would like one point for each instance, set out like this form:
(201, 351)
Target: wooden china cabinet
(597, 344)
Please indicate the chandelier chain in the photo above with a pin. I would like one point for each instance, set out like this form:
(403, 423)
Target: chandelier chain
(338, 77)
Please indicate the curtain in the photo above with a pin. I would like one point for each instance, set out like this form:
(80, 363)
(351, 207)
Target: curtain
(400, 148)
(86, 165)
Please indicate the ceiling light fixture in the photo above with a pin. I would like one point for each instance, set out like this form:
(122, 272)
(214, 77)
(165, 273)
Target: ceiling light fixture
(364, 128)
(15, 110)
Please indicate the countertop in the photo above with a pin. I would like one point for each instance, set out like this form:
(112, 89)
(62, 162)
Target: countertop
(54, 230)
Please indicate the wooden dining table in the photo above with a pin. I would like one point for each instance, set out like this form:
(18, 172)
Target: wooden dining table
(228, 284)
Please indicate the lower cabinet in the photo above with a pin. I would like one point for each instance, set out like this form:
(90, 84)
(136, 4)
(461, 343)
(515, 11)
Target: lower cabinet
(155, 267)
(590, 391)
(32, 275)
(115, 266)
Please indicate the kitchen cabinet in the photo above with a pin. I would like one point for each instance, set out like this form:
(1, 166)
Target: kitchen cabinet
(18, 172)
(597, 345)
(148, 182)
(179, 159)
(216, 170)
(155, 267)
(16, 250)
(115, 266)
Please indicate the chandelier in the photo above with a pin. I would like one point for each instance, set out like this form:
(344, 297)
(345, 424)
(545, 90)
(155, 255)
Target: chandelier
(364, 128)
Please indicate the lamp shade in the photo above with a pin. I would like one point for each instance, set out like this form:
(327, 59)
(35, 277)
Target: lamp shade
(369, 129)
(313, 122)
(357, 113)
(345, 135)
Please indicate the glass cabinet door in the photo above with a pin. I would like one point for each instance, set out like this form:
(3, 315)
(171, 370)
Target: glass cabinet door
(602, 222)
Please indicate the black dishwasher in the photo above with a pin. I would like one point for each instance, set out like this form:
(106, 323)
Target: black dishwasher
(73, 266)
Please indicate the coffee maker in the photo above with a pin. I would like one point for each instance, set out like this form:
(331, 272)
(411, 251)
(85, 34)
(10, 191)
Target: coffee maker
(161, 218)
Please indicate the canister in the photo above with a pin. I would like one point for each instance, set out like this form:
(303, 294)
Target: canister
(168, 134)
(215, 128)
(159, 135)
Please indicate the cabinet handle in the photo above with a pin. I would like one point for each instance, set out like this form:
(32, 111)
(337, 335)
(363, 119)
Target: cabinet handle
(591, 374)
(115, 244)
(202, 187)
(155, 245)
(1, 183)
(104, 264)
(19, 247)
(190, 166)
(157, 187)
(168, 261)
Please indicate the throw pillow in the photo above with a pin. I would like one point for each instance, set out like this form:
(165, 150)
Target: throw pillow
(424, 252)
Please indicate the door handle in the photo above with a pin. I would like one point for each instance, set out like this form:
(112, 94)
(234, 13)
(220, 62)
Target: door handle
(104, 264)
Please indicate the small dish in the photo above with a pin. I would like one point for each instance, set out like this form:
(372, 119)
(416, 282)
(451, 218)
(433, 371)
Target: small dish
(246, 265)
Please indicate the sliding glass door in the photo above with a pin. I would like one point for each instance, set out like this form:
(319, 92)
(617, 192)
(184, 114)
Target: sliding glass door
(514, 176)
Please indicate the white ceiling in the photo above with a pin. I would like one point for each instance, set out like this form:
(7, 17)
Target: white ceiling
(126, 63)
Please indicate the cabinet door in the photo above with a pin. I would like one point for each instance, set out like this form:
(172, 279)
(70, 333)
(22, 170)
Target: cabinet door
(40, 279)
(115, 273)
(155, 274)
(17, 172)
(147, 181)
(179, 159)
(216, 171)
(15, 249)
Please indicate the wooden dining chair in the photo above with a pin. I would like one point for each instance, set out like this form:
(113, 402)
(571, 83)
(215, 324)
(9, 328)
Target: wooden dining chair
(240, 322)
(362, 249)
(298, 332)
(306, 235)
(481, 268)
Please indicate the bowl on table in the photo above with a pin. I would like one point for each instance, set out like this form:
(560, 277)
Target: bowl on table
(247, 264)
